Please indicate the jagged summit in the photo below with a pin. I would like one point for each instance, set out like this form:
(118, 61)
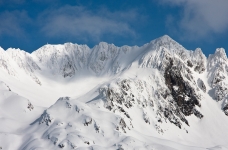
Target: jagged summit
(165, 38)
(219, 53)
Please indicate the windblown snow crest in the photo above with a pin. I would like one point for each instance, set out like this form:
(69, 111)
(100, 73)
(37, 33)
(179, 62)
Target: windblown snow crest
(150, 92)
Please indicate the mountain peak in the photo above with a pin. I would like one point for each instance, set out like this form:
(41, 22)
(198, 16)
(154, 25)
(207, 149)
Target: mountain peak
(198, 50)
(103, 45)
(219, 54)
(165, 38)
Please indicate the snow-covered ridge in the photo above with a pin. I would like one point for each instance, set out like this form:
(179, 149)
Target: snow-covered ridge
(69, 59)
(157, 96)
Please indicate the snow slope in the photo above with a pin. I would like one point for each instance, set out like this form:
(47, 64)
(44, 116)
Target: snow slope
(157, 96)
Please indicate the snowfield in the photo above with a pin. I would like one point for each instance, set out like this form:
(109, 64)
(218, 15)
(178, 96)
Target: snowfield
(159, 96)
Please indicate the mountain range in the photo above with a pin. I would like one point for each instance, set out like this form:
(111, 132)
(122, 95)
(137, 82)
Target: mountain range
(159, 96)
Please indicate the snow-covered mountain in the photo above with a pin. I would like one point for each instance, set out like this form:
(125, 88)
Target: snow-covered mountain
(157, 96)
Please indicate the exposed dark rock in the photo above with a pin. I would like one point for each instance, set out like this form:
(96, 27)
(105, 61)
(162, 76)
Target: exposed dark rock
(45, 118)
(30, 106)
(165, 94)
(68, 70)
(61, 145)
(218, 77)
(123, 111)
(64, 99)
(122, 124)
(159, 129)
(170, 116)
(225, 109)
(197, 114)
(199, 69)
(88, 121)
(121, 97)
(86, 142)
(96, 127)
(68, 105)
(117, 128)
(189, 63)
(183, 94)
(201, 85)
(36, 79)
(146, 118)
(120, 147)
(174, 103)
(109, 108)
(220, 92)
(112, 96)
(77, 109)
(8, 87)
(53, 139)
(73, 146)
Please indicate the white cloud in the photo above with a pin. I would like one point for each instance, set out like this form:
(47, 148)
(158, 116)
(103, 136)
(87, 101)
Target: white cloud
(11, 23)
(79, 22)
(200, 18)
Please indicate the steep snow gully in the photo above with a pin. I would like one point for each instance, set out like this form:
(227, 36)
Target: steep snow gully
(159, 96)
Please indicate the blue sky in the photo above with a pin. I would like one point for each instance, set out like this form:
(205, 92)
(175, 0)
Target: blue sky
(30, 24)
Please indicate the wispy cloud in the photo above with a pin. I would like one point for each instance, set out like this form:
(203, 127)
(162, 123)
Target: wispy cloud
(12, 23)
(79, 22)
(199, 18)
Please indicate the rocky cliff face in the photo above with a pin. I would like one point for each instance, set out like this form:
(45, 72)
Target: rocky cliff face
(173, 93)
